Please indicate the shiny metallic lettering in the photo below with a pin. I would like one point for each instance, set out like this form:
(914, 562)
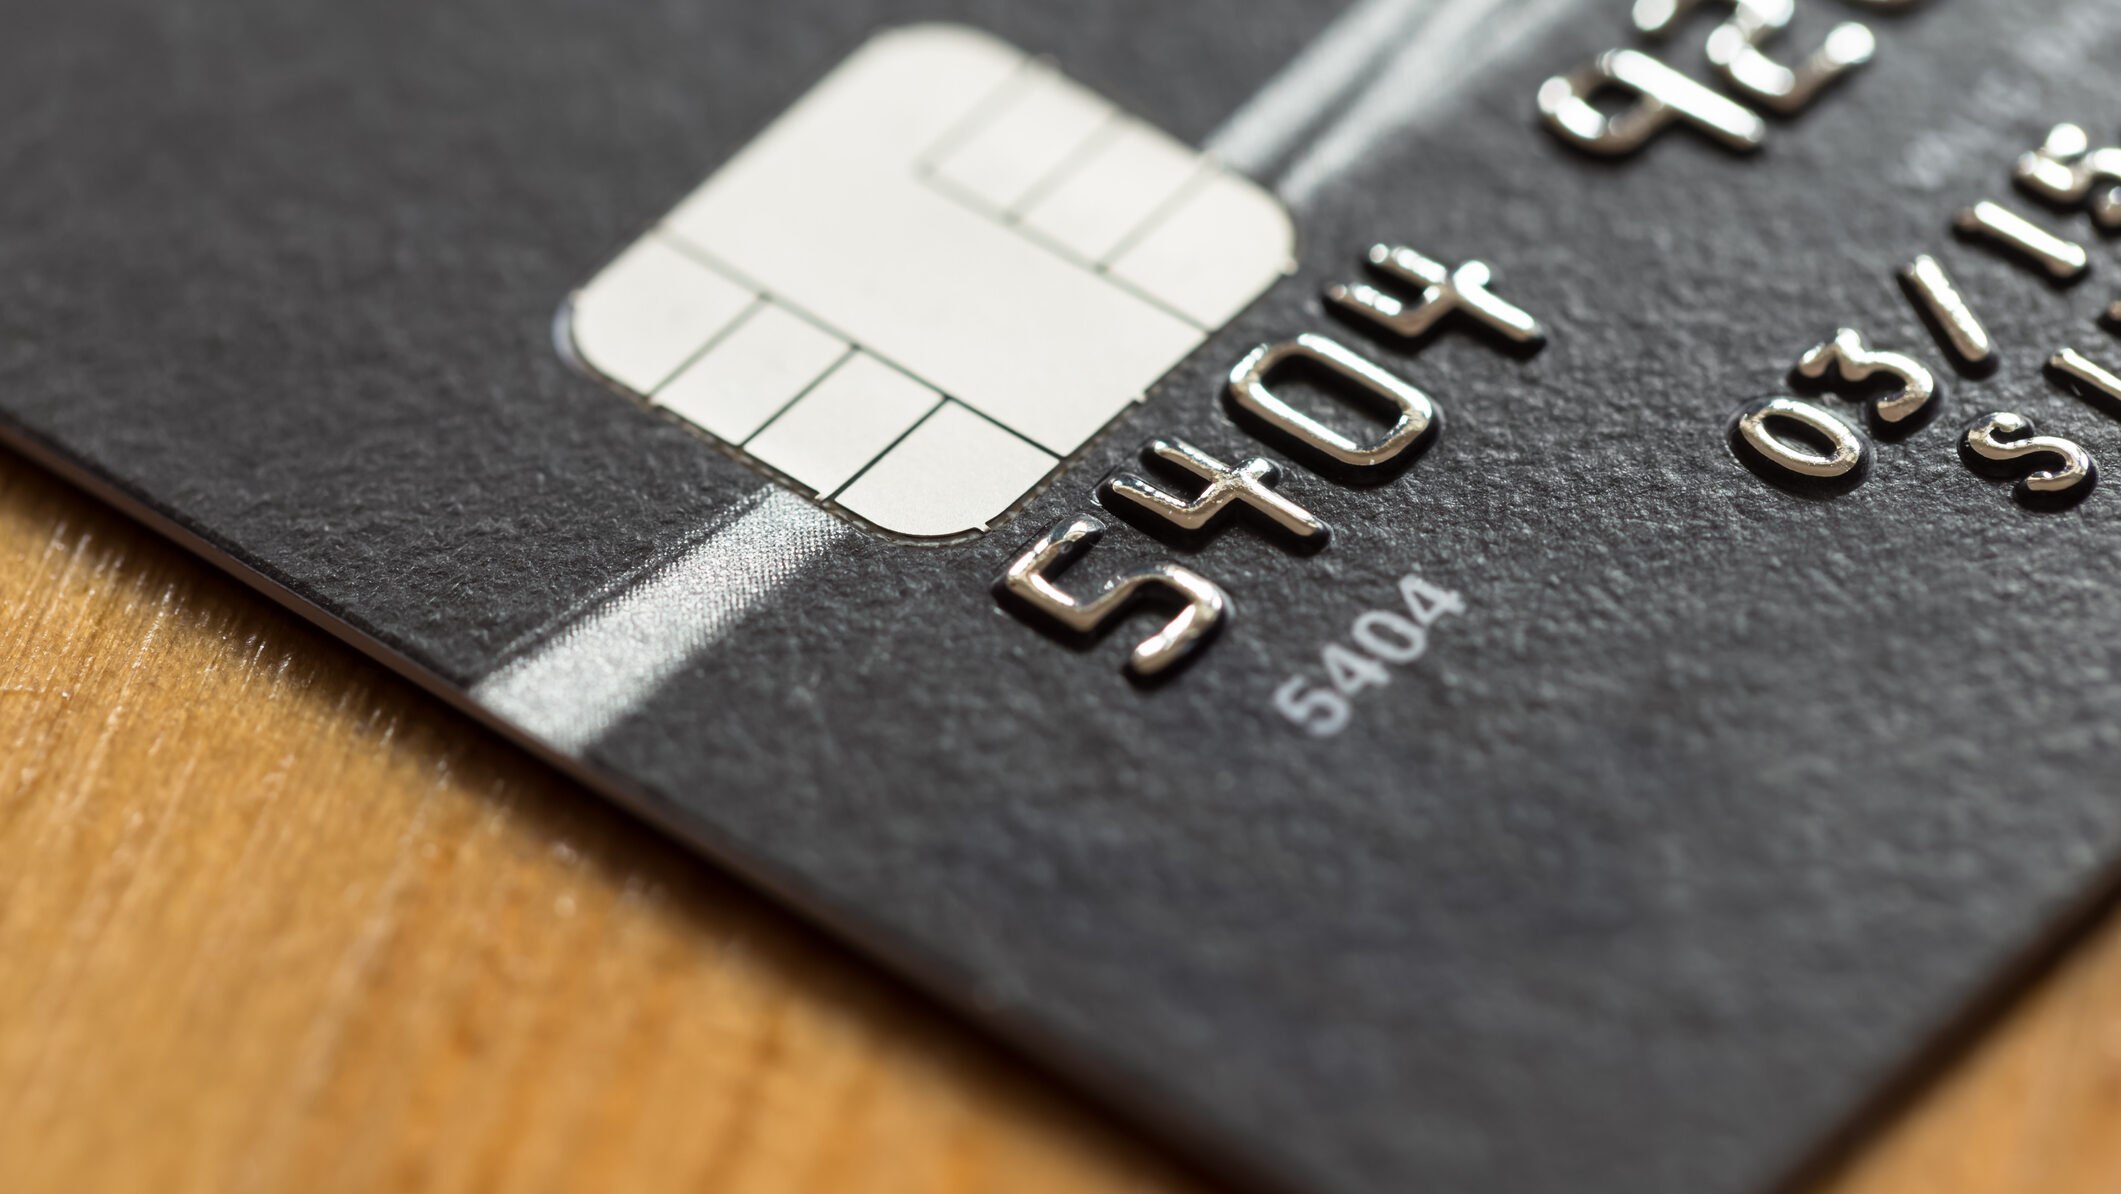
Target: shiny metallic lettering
(1444, 292)
(2067, 171)
(1847, 359)
(1663, 96)
(2061, 260)
(1848, 452)
(1029, 580)
(1248, 486)
(1734, 49)
(1998, 442)
(2086, 378)
(1938, 302)
(1415, 415)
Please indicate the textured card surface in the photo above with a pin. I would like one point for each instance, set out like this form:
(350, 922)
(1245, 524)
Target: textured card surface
(1479, 595)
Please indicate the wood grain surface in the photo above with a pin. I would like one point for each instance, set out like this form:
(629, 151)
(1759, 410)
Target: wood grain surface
(271, 919)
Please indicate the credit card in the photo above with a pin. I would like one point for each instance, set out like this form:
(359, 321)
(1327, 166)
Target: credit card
(1493, 595)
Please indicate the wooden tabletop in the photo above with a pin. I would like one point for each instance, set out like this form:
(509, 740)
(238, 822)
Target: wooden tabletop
(271, 919)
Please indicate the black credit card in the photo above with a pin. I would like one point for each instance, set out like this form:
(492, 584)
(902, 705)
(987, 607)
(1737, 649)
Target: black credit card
(1460, 595)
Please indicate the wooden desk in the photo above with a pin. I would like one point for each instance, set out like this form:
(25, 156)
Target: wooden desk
(271, 919)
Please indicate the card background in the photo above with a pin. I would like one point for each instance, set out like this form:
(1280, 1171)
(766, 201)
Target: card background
(285, 276)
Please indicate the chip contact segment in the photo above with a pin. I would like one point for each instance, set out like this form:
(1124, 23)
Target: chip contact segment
(930, 282)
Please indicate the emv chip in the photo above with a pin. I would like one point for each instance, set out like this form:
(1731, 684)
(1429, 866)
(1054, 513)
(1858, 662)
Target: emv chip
(930, 281)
